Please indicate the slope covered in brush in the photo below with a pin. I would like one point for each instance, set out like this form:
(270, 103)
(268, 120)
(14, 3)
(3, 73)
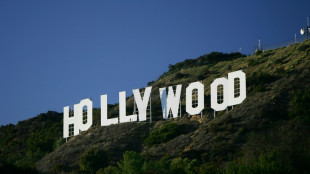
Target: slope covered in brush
(268, 132)
(25, 143)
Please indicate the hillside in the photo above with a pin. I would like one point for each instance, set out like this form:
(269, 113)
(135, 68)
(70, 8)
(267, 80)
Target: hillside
(28, 141)
(267, 133)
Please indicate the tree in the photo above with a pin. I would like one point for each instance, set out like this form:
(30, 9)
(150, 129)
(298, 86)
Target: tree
(132, 163)
(93, 159)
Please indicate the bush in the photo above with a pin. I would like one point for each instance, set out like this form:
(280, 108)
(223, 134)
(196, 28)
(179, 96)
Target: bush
(280, 71)
(266, 163)
(93, 159)
(132, 163)
(201, 77)
(150, 83)
(11, 168)
(167, 132)
(252, 62)
(179, 165)
(258, 52)
(210, 168)
(109, 170)
(259, 88)
(59, 169)
(301, 105)
(135, 163)
(180, 75)
(259, 80)
(58, 143)
(157, 166)
(303, 47)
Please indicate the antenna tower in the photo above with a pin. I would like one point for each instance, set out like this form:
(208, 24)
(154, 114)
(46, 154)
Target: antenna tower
(306, 30)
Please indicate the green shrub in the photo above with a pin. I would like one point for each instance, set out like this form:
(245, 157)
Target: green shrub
(259, 88)
(93, 159)
(267, 53)
(201, 77)
(156, 166)
(265, 78)
(210, 168)
(135, 163)
(252, 62)
(150, 83)
(266, 164)
(179, 165)
(180, 75)
(258, 52)
(11, 168)
(59, 169)
(303, 47)
(259, 80)
(132, 163)
(300, 104)
(280, 71)
(58, 143)
(165, 133)
(109, 170)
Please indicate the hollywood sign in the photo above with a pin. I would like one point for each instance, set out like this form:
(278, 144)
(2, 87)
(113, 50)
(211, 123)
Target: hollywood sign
(170, 101)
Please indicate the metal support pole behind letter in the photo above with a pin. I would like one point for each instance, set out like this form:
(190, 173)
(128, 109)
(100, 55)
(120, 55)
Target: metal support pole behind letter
(180, 109)
(150, 109)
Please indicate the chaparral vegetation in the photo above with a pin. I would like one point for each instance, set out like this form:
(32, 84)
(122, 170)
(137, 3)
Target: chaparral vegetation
(267, 133)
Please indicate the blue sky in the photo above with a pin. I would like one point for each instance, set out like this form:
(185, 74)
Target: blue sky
(55, 53)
